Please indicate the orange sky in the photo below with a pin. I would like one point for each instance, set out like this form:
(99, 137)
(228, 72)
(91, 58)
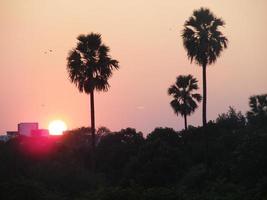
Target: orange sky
(145, 37)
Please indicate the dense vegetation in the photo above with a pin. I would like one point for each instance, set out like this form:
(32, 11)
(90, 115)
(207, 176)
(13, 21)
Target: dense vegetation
(164, 165)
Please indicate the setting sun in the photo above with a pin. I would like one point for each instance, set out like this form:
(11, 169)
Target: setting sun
(57, 127)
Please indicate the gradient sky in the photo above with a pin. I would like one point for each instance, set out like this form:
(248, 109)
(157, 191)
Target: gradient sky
(144, 36)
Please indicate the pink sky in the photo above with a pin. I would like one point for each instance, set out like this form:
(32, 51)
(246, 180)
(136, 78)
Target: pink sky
(145, 37)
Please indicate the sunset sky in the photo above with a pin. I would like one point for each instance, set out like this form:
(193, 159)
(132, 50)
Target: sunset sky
(144, 36)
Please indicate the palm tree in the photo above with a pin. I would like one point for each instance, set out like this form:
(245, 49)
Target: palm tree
(258, 109)
(184, 100)
(204, 43)
(89, 68)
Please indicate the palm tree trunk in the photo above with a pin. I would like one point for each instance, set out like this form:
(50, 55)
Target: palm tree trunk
(204, 111)
(93, 128)
(185, 122)
(205, 117)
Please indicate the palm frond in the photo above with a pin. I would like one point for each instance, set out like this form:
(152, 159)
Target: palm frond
(202, 38)
(90, 65)
(184, 102)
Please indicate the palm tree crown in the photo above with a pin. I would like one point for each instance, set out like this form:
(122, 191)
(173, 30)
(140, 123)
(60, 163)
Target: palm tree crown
(89, 64)
(258, 110)
(258, 105)
(184, 100)
(202, 38)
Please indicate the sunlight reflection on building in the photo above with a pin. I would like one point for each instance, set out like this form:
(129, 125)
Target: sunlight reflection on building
(28, 129)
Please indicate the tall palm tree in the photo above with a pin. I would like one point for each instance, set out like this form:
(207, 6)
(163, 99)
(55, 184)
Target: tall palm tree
(204, 43)
(184, 100)
(89, 68)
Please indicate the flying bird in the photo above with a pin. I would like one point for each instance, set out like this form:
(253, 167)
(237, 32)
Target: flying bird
(48, 51)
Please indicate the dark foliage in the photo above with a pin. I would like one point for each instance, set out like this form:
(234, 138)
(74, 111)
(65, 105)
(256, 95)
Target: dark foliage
(164, 165)
(231, 120)
(258, 113)
(115, 150)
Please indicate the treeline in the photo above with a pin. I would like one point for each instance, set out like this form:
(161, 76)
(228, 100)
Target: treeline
(225, 160)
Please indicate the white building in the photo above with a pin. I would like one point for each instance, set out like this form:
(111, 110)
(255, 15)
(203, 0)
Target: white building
(26, 128)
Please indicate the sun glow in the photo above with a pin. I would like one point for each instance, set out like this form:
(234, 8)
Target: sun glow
(57, 127)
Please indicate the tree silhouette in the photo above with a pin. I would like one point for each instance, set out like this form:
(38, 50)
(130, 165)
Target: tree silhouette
(184, 100)
(204, 43)
(258, 109)
(89, 68)
(232, 119)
